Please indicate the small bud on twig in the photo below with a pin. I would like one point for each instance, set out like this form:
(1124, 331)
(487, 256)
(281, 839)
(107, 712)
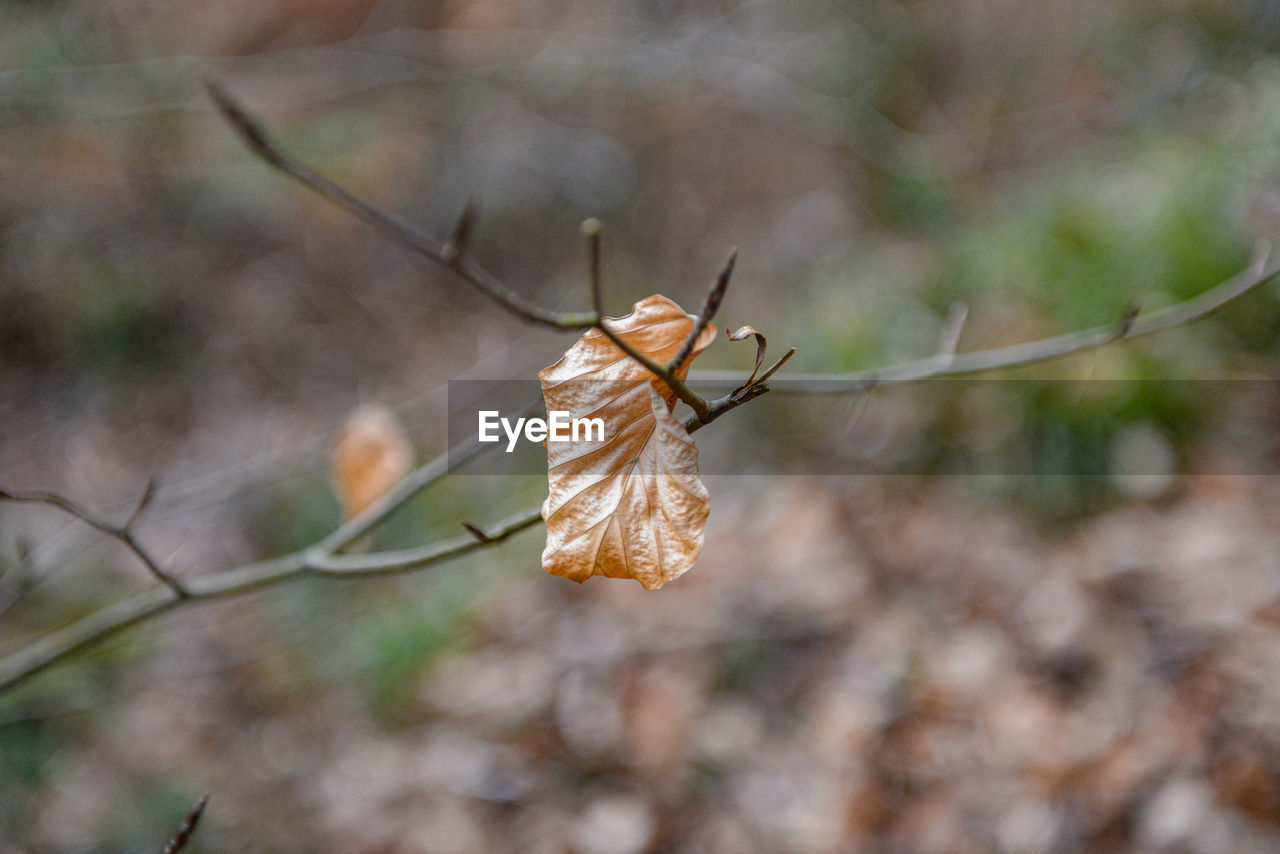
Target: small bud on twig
(460, 237)
(183, 836)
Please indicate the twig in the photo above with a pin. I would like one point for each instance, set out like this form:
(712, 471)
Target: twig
(256, 137)
(396, 561)
(591, 230)
(480, 535)
(188, 827)
(448, 254)
(102, 624)
(773, 369)
(682, 390)
(1130, 325)
(721, 405)
(709, 308)
(123, 533)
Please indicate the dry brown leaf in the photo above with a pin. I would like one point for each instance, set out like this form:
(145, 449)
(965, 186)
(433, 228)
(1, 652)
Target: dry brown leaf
(632, 505)
(371, 455)
(761, 345)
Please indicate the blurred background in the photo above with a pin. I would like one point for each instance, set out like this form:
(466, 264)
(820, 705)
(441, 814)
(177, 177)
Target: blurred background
(1082, 660)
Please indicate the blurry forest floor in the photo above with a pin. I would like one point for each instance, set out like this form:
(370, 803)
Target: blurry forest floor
(1019, 663)
(853, 665)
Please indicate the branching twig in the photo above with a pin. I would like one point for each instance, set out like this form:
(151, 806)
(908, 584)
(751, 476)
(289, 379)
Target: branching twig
(256, 137)
(98, 626)
(591, 230)
(123, 533)
(324, 559)
(449, 254)
(709, 308)
(314, 562)
(682, 390)
(1130, 325)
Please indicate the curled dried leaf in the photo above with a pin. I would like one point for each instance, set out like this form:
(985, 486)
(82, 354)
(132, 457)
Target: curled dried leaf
(628, 504)
(761, 345)
(371, 455)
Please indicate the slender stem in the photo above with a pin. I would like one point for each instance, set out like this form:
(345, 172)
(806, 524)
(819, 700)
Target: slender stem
(1129, 326)
(444, 254)
(663, 372)
(123, 533)
(709, 308)
(396, 561)
(399, 495)
(100, 625)
(85, 632)
(460, 238)
(591, 229)
(450, 254)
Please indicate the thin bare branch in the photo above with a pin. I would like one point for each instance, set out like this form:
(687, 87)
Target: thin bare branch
(663, 372)
(448, 254)
(260, 142)
(451, 255)
(591, 230)
(396, 561)
(1131, 325)
(709, 308)
(107, 622)
(773, 369)
(721, 405)
(86, 632)
(102, 624)
(123, 533)
(16, 582)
